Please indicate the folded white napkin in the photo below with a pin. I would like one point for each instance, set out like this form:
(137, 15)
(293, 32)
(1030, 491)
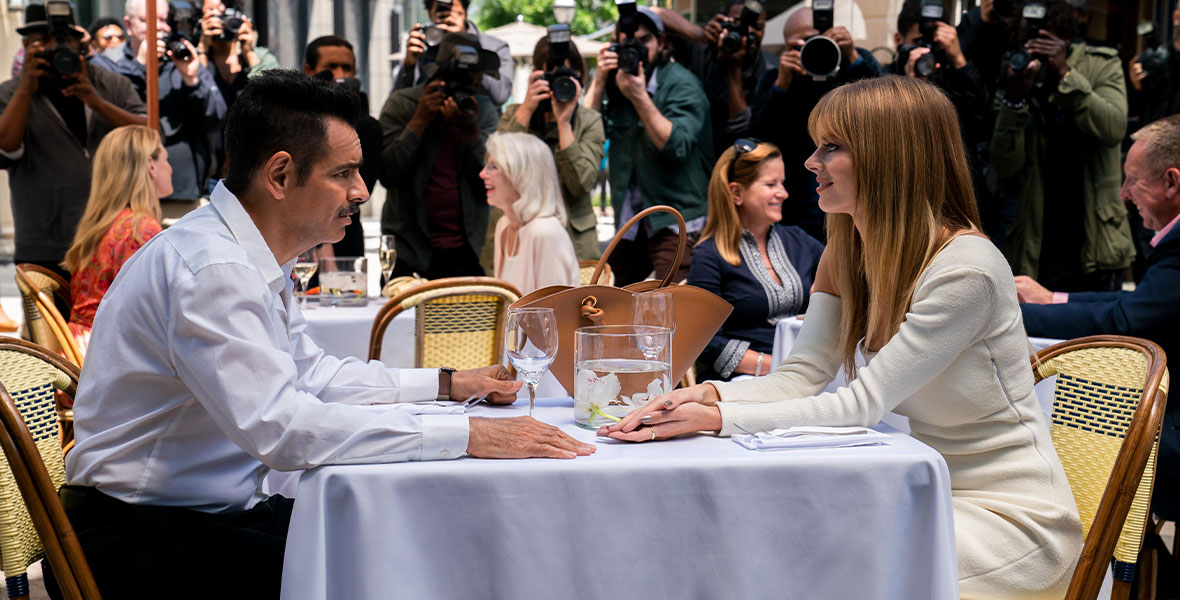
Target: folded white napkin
(424, 408)
(811, 437)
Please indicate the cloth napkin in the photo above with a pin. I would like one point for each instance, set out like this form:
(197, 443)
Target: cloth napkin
(795, 438)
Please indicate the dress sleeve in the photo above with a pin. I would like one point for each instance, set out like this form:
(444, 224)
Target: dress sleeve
(949, 313)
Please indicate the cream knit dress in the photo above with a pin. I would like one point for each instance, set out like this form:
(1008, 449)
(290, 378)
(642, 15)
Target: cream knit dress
(958, 368)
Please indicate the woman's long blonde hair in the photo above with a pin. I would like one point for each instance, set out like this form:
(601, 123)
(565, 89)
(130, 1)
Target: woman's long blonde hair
(120, 179)
(723, 223)
(913, 195)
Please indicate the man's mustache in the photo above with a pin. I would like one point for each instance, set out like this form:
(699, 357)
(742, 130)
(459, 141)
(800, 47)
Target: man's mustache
(348, 211)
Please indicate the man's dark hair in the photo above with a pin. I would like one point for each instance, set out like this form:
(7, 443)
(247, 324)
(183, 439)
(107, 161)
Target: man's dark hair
(101, 22)
(541, 57)
(311, 56)
(429, 4)
(1059, 18)
(910, 15)
(282, 110)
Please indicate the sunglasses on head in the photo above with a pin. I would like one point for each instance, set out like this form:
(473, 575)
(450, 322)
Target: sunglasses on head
(740, 147)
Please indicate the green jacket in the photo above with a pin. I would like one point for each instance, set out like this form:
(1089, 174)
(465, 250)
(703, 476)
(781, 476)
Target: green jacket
(677, 175)
(1094, 96)
(577, 169)
(406, 164)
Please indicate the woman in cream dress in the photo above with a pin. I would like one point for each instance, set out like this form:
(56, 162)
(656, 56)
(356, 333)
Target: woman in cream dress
(908, 279)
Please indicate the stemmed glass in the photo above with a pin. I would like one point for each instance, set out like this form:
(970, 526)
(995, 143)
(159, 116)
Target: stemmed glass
(530, 339)
(654, 309)
(387, 252)
(305, 267)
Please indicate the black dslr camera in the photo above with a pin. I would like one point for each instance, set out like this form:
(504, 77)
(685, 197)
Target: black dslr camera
(560, 77)
(231, 24)
(734, 33)
(820, 55)
(631, 52)
(456, 72)
(435, 34)
(1034, 20)
(932, 14)
(182, 19)
(64, 63)
(1154, 58)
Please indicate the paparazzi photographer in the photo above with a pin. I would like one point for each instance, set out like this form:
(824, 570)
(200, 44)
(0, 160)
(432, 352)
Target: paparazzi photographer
(1155, 84)
(661, 147)
(432, 152)
(50, 125)
(729, 71)
(574, 134)
(783, 101)
(190, 103)
(227, 48)
(450, 16)
(1059, 126)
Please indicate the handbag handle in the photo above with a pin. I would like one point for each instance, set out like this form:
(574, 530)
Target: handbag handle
(630, 223)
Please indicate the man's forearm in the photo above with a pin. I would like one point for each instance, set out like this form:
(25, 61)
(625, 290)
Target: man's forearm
(594, 94)
(565, 135)
(116, 116)
(13, 120)
(658, 127)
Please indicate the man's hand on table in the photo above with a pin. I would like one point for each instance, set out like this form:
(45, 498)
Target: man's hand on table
(687, 410)
(521, 437)
(494, 382)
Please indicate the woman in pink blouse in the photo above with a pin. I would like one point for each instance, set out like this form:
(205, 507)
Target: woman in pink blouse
(532, 247)
(130, 175)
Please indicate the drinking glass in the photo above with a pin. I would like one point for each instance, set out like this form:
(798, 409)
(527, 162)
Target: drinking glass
(530, 339)
(387, 252)
(654, 309)
(344, 281)
(305, 267)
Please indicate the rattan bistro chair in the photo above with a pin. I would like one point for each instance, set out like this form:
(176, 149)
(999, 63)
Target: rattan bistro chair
(1107, 410)
(586, 272)
(44, 323)
(459, 321)
(34, 470)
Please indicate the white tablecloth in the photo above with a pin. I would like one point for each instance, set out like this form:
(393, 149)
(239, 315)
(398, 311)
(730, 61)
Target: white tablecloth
(344, 331)
(689, 518)
(788, 330)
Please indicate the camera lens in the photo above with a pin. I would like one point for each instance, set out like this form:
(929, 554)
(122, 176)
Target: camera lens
(820, 56)
(563, 89)
(1019, 60)
(434, 35)
(925, 65)
(66, 62)
(731, 43)
(629, 61)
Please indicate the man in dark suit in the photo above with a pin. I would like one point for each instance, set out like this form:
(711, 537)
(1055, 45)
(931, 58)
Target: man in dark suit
(1152, 184)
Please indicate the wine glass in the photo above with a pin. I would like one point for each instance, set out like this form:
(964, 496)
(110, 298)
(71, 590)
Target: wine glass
(531, 342)
(387, 252)
(305, 267)
(654, 309)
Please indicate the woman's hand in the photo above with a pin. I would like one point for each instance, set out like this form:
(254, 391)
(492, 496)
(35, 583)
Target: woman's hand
(703, 395)
(665, 424)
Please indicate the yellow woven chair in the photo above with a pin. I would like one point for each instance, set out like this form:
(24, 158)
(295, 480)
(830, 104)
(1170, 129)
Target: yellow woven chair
(586, 271)
(459, 321)
(53, 284)
(32, 521)
(44, 324)
(1107, 410)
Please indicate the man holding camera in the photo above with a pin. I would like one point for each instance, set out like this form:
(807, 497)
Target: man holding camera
(785, 97)
(661, 144)
(550, 111)
(726, 55)
(432, 152)
(190, 103)
(450, 16)
(1062, 116)
(1155, 77)
(51, 122)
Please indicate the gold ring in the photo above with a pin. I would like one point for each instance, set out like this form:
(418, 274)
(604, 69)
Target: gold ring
(653, 434)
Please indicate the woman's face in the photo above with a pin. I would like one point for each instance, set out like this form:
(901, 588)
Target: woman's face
(761, 203)
(836, 177)
(161, 173)
(501, 193)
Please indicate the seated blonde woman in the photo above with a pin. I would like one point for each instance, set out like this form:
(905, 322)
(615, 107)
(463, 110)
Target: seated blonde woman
(763, 269)
(532, 248)
(907, 278)
(129, 176)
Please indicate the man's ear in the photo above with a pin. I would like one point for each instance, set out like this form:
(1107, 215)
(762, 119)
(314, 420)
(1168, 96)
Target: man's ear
(307, 70)
(897, 40)
(278, 174)
(1172, 183)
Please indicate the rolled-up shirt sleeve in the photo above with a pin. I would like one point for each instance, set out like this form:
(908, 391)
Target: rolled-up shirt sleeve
(226, 349)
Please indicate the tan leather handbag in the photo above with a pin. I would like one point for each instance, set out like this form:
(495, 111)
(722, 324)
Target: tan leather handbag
(699, 314)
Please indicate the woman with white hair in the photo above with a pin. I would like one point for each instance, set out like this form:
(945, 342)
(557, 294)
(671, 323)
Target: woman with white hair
(532, 248)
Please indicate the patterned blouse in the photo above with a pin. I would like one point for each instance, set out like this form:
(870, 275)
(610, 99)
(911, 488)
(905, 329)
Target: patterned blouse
(127, 234)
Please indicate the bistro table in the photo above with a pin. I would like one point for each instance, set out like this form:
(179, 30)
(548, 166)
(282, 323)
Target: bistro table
(698, 517)
(344, 331)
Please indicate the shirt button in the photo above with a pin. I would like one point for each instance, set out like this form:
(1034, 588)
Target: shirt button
(446, 453)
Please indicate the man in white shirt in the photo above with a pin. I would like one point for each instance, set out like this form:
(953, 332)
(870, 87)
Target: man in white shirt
(200, 377)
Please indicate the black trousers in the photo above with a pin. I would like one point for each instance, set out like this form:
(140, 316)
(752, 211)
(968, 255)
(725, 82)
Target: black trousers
(138, 551)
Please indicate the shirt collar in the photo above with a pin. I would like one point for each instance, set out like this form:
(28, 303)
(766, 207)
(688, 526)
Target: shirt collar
(652, 84)
(1159, 237)
(242, 227)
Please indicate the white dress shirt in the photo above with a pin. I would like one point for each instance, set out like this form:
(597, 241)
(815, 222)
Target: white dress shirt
(199, 378)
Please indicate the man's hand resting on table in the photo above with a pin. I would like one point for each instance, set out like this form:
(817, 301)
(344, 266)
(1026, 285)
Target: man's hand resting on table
(522, 437)
(494, 382)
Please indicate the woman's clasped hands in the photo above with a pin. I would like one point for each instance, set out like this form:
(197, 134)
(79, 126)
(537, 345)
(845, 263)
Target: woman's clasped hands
(687, 410)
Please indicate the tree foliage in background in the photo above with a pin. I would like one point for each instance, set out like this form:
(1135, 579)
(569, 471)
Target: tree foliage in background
(592, 15)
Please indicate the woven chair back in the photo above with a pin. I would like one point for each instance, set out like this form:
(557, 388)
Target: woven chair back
(586, 273)
(44, 324)
(459, 321)
(1107, 409)
(32, 521)
(50, 282)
